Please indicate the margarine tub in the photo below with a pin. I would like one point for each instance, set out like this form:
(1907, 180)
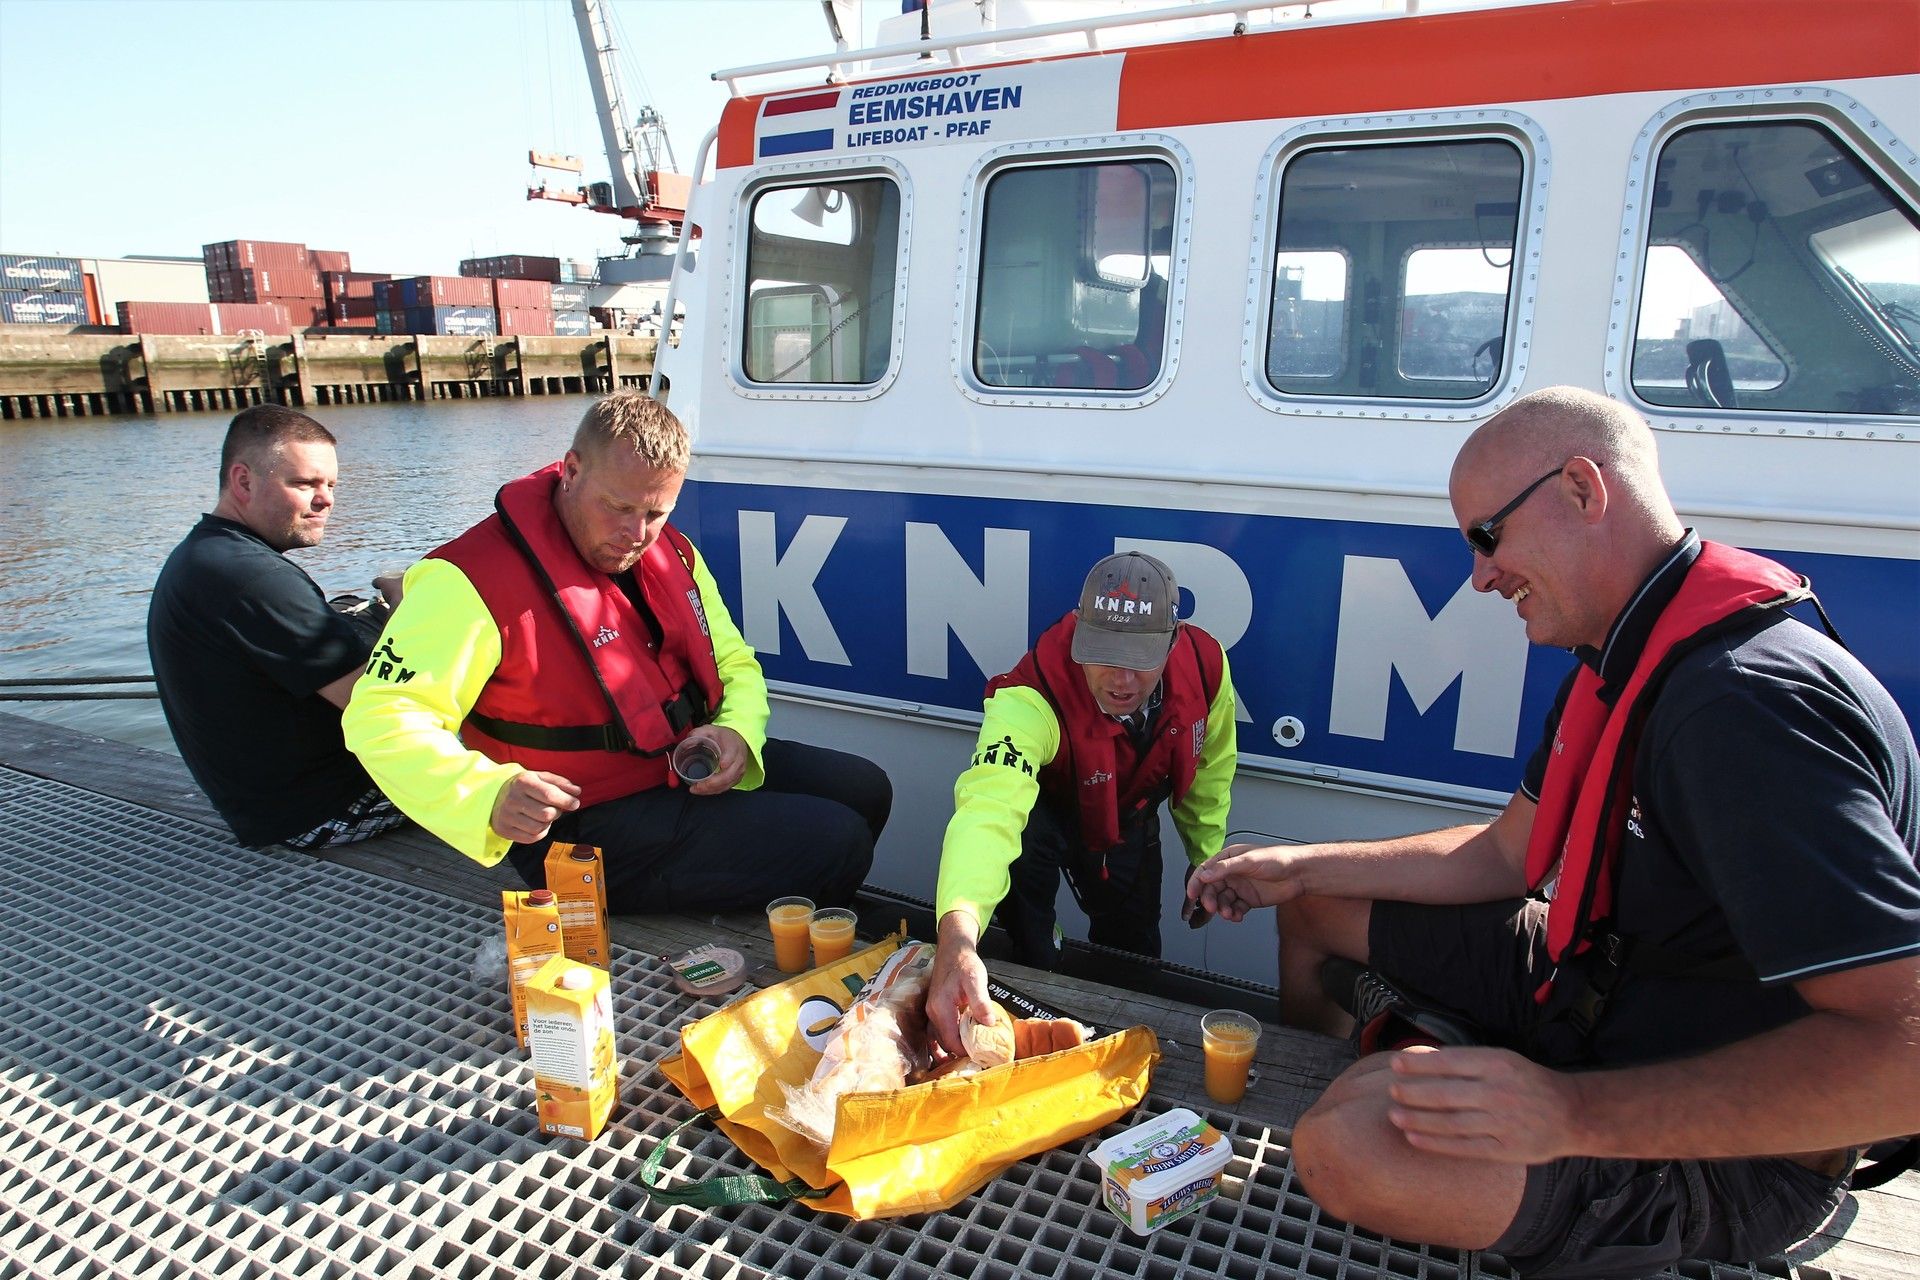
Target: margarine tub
(1157, 1171)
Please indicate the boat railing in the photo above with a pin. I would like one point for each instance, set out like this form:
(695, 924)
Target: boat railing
(987, 44)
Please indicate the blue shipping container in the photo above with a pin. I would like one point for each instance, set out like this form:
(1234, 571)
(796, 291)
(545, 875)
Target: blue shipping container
(383, 321)
(572, 324)
(18, 271)
(457, 321)
(569, 297)
(19, 306)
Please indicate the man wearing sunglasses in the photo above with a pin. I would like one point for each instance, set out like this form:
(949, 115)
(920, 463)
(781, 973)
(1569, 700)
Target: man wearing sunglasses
(1689, 946)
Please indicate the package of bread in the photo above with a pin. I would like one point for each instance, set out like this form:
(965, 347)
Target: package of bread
(879, 1041)
(991, 1043)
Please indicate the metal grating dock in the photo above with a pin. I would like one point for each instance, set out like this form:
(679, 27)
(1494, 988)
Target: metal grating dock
(222, 1063)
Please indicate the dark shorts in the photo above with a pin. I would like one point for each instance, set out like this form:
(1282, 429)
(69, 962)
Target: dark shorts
(1580, 1216)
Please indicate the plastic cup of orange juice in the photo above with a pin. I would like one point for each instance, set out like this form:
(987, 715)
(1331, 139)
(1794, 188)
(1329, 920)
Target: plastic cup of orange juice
(831, 930)
(1229, 1038)
(787, 920)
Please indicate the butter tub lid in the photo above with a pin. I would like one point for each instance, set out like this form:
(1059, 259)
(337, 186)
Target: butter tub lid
(1177, 1146)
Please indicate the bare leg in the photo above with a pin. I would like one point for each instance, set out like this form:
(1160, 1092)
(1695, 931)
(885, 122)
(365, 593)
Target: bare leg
(1311, 929)
(1356, 1166)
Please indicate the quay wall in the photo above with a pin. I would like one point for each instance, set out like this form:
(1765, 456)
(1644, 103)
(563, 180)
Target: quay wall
(89, 371)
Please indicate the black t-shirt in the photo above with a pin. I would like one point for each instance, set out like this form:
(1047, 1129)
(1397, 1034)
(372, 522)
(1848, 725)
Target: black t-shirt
(1774, 818)
(242, 641)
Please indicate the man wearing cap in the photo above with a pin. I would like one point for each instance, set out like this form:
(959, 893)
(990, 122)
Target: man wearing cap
(1117, 707)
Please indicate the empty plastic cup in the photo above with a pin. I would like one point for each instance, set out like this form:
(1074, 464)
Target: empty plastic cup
(694, 760)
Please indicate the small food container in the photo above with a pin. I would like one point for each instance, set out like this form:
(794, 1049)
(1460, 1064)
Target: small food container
(1161, 1170)
(708, 970)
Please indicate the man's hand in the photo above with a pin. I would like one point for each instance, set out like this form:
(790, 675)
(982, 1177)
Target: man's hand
(526, 806)
(731, 748)
(1486, 1104)
(959, 981)
(1242, 877)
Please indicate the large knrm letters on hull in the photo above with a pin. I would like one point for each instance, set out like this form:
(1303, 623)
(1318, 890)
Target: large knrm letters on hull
(1369, 635)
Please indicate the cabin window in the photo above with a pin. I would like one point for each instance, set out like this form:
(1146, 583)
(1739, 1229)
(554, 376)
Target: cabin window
(1393, 269)
(1779, 273)
(821, 279)
(1073, 275)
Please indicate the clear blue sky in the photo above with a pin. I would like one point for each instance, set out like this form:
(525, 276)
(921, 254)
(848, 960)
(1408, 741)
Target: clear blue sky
(395, 129)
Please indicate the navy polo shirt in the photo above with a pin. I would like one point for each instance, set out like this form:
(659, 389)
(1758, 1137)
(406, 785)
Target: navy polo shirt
(1774, 817)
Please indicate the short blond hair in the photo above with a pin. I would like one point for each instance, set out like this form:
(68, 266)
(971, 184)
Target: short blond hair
(636, 421)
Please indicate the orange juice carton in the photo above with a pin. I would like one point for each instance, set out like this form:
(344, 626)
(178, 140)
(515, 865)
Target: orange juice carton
(570, 1033)
(1161, 1170)
(577, 876)
(533, 938)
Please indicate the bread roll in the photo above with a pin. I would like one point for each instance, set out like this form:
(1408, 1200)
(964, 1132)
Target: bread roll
(1035, 1036)
(990, 1044)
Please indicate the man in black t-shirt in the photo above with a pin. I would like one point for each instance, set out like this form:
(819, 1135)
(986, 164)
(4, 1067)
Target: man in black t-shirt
(1716, 1001)
(253, 665)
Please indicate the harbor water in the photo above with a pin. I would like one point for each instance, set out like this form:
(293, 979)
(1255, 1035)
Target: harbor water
(91, 507)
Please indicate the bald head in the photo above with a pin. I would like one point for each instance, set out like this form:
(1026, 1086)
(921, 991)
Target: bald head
(1548, 427)
(1572, 549)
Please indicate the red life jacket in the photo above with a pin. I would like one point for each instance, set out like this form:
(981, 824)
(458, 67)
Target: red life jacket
(1589, 783)
(579, 691)
(1097, 768)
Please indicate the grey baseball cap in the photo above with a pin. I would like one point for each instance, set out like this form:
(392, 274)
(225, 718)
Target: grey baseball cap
(1127, 613)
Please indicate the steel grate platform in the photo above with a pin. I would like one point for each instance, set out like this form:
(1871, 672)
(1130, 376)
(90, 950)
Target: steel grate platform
(216, 1062)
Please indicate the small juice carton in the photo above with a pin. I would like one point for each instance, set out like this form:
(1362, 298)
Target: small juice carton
(570, 1031)
(533, 938)
(577, 876)
(1161, 1170)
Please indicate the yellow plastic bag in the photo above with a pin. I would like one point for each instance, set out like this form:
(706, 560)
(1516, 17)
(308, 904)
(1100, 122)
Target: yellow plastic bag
(926, 1147)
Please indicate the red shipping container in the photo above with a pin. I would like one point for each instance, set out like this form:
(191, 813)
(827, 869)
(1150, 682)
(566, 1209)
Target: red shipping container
(454, 291)
(166, 317)
(526, 322)
(517, 295)
(330, 259)
(262, 254)
(352, 309)
(342, 285)
(268, 317)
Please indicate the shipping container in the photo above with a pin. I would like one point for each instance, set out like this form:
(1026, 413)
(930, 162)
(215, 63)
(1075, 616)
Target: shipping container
(569, 297)
(522, 295)
(42, 306)
(579, 271)
(37, 275)
(444, 291)
(513, 266)
(166, 317)
(257, 254)
(342, 285)
(265, 285)
(383, 321)
(203, 317)
(521, 322)
(572, 324)
(461, 321)
(348, 310)
(330, 259)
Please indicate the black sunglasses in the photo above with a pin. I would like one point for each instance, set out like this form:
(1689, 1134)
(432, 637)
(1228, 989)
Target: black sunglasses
(1485, 536)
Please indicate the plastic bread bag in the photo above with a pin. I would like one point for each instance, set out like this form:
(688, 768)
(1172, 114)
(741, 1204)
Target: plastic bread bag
(880, 1041)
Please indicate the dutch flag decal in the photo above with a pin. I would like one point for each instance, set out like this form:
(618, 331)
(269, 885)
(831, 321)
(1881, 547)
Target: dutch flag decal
(799, 125)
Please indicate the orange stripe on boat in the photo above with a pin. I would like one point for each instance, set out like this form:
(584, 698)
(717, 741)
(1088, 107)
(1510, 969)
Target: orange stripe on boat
(1579, 49)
